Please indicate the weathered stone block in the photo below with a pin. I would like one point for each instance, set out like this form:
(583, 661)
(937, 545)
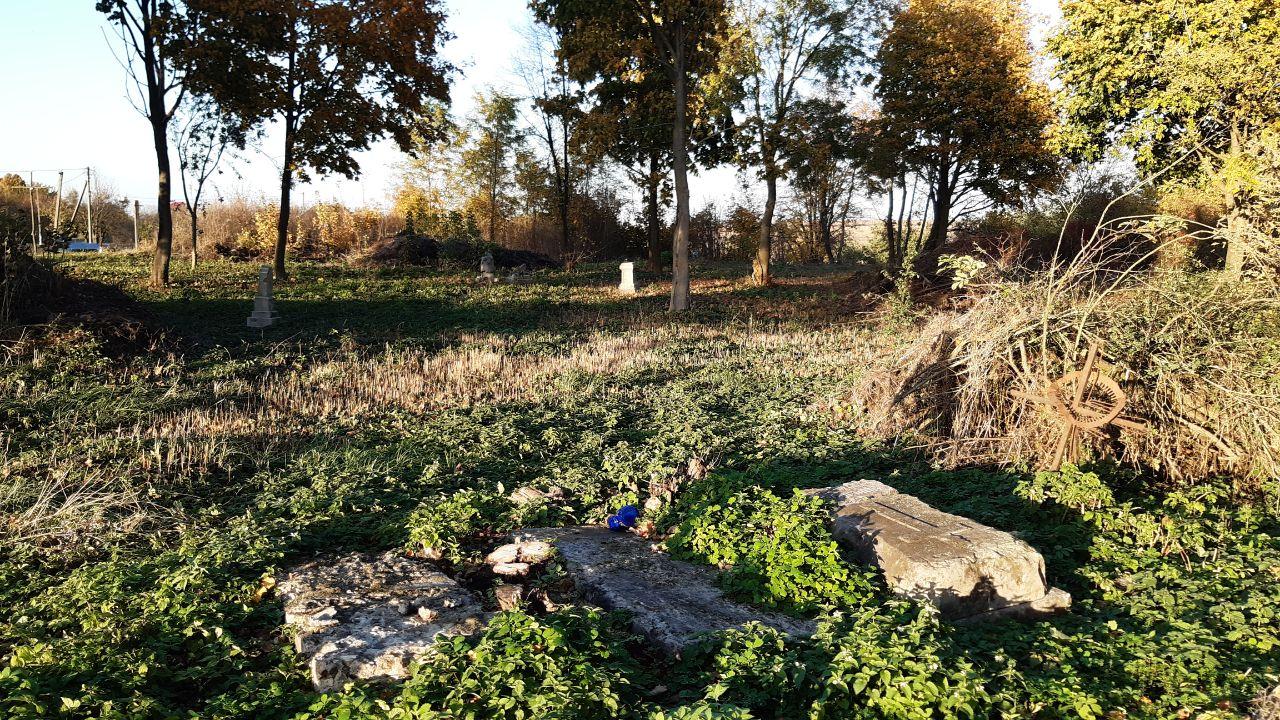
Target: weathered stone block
(961, 566)
(671, 602)
(363, 617)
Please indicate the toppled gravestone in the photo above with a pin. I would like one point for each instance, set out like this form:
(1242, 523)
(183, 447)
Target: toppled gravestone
(671, 602)
(966, 569)
(362, 617)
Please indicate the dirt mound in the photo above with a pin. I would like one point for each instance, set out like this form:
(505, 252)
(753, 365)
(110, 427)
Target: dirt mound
(403, 248)
(506, 258)
(55, 300)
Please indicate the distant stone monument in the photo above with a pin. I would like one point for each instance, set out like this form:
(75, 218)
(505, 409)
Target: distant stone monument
(264, 305)
(628, 284)
(487, 268)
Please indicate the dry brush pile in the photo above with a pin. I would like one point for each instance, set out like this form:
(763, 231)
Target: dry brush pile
(1196, 354)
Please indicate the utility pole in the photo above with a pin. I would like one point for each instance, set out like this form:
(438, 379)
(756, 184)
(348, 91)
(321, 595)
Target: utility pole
(35, 215)
(88, 183)
(136, 206)
(57, 207)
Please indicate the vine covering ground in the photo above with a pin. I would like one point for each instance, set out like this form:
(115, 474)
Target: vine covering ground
(154, 484)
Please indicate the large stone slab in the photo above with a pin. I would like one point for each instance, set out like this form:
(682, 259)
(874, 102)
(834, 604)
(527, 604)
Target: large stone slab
(671, 602)
(963, 567)
(366, 617)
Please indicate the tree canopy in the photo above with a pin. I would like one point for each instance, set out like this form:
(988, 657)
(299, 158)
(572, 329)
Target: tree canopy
(336, 74)
(960, 105)
(1191, 86)
(623, 41)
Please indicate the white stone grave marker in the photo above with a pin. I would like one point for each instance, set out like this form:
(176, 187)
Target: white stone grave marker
(264, 306)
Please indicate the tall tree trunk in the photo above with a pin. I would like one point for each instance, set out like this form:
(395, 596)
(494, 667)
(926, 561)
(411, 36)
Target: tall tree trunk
(680, 163)
(651, 213)
(193, 236)
(566, 188)
(927, 261)
(566, 243)
(890, 238)
(164, 211)
(286, 190)
(760, 274)
(286, 174)
(824, 226)
(1236, 225)
(282, 222)
(493, 196)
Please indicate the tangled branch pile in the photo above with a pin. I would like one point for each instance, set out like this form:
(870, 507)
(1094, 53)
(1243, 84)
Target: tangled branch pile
(1197, 354)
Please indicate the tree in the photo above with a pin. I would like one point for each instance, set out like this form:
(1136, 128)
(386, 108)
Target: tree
(1173, 80)
(557, 102)
(151, 34)
(822, 163)
(790, 44)
(489, 157)
(337, 75)
(959, 106)
(682, 38)
(201, 141)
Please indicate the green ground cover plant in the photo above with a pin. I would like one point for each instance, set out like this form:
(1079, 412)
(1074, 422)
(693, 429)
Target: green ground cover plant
(148, 500)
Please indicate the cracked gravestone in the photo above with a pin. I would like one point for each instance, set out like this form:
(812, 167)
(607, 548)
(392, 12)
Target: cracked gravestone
(966, 569)
(671, 602)
(367, 617)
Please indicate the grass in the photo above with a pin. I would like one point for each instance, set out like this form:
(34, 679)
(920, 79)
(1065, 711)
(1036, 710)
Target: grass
(148, 487)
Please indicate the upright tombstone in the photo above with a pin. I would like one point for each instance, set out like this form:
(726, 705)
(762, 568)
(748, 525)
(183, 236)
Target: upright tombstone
(628, 284)
(487, 268)
(264, 305)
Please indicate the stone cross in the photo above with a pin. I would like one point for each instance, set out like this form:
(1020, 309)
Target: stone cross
(628, 284)
(487, 268)
(264, 306)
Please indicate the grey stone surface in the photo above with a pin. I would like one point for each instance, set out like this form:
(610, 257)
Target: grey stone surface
(671, 602)
(628, 284)
(488, 268)
(963, 567)
(363, 617)
(264, 305)
(851, 492)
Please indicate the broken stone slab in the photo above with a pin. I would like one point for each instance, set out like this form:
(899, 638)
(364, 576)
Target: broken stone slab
(532, 552)
(963, 567)
(367, 617)
(671, 602)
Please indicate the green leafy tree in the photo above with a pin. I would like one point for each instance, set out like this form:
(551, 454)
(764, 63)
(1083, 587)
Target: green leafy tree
(824, 166)
(1174, 80)
(619, 40)
(201, 137)
(638, 142)
(959, 106)
(488, 160)
(151, 37)
(335, 75)
(790, 45)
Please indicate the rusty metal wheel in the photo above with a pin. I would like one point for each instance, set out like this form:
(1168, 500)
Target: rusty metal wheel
(1100, 401)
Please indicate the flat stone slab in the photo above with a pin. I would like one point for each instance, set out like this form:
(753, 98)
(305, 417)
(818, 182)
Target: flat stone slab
(963, 567)
(671, 602)
(367, 617)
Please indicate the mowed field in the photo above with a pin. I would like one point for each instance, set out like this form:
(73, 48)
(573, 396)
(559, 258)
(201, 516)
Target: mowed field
(163, 465)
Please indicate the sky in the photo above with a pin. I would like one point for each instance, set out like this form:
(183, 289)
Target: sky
(66, 104)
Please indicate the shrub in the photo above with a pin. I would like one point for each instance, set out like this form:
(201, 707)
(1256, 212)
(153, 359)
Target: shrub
(777, 553)
(441, 524)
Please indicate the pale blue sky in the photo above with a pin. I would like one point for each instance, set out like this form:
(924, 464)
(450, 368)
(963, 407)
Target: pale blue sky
(65, 104)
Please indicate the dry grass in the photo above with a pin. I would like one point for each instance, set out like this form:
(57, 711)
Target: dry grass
(1267, 706)
(489, 369)
(1194, 355)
